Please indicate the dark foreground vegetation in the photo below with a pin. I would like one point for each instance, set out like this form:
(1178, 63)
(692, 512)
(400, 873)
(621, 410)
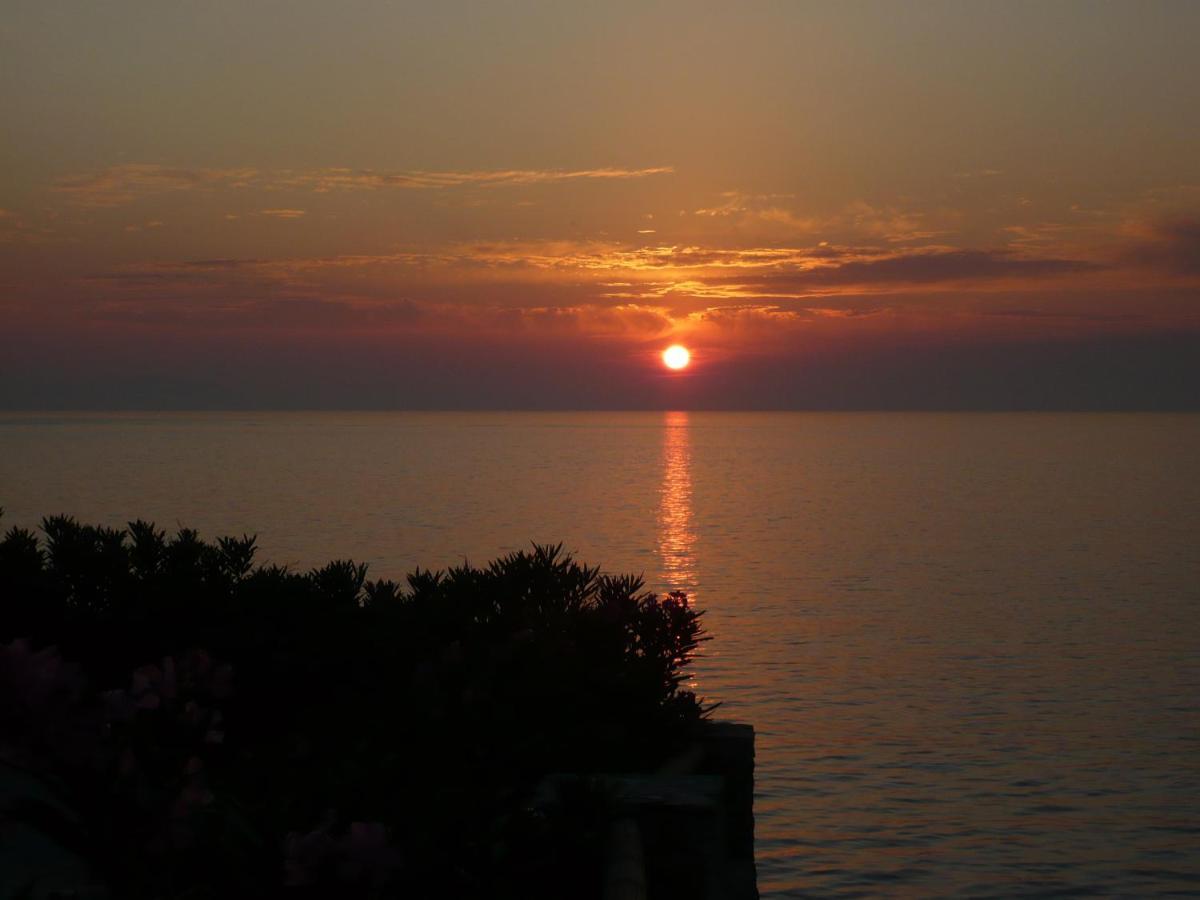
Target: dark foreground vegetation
(176, 721)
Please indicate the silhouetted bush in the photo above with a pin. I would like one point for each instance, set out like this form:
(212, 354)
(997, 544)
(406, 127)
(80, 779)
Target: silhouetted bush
(178, 722)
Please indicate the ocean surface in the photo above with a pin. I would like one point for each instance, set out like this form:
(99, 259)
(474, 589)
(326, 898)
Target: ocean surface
(970, 643)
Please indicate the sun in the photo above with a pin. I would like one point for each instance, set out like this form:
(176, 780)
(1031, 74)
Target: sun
(676, 357)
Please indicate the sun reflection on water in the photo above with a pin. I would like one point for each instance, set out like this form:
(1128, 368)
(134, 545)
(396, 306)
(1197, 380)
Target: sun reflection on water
(676, 531)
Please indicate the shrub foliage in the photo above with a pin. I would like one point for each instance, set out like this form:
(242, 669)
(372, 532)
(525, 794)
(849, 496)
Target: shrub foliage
(179, 721)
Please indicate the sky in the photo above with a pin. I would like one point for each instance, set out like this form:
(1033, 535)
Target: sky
(850, 205)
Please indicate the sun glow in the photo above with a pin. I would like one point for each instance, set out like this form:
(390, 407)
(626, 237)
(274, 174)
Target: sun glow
(676, 357)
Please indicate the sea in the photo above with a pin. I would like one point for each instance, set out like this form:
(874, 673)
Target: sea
(969, 643)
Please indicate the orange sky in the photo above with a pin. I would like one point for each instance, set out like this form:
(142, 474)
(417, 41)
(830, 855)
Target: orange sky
(863, 205)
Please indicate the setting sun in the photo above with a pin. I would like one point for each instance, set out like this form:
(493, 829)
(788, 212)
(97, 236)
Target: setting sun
(676, 357)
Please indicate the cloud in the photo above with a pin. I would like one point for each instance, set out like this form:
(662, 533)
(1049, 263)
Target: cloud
(153, 223)
(886, 222)
(1040, 235)
(282, 314)
(928, 268)
(598, 319)
(947, 265)
(333, 179)
(16, 228)
(801, 271)
(605, 272)
(776, 212)
(1170, 245)
(283, 213)
(286, 314)
(733, 203)
(594, 256)
(978, 173)
(120, 185)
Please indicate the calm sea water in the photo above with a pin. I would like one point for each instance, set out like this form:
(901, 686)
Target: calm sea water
(970, 643)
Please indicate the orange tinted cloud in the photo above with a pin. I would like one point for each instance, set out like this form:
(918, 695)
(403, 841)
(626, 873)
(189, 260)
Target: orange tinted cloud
(332, 179)
(120, 185)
